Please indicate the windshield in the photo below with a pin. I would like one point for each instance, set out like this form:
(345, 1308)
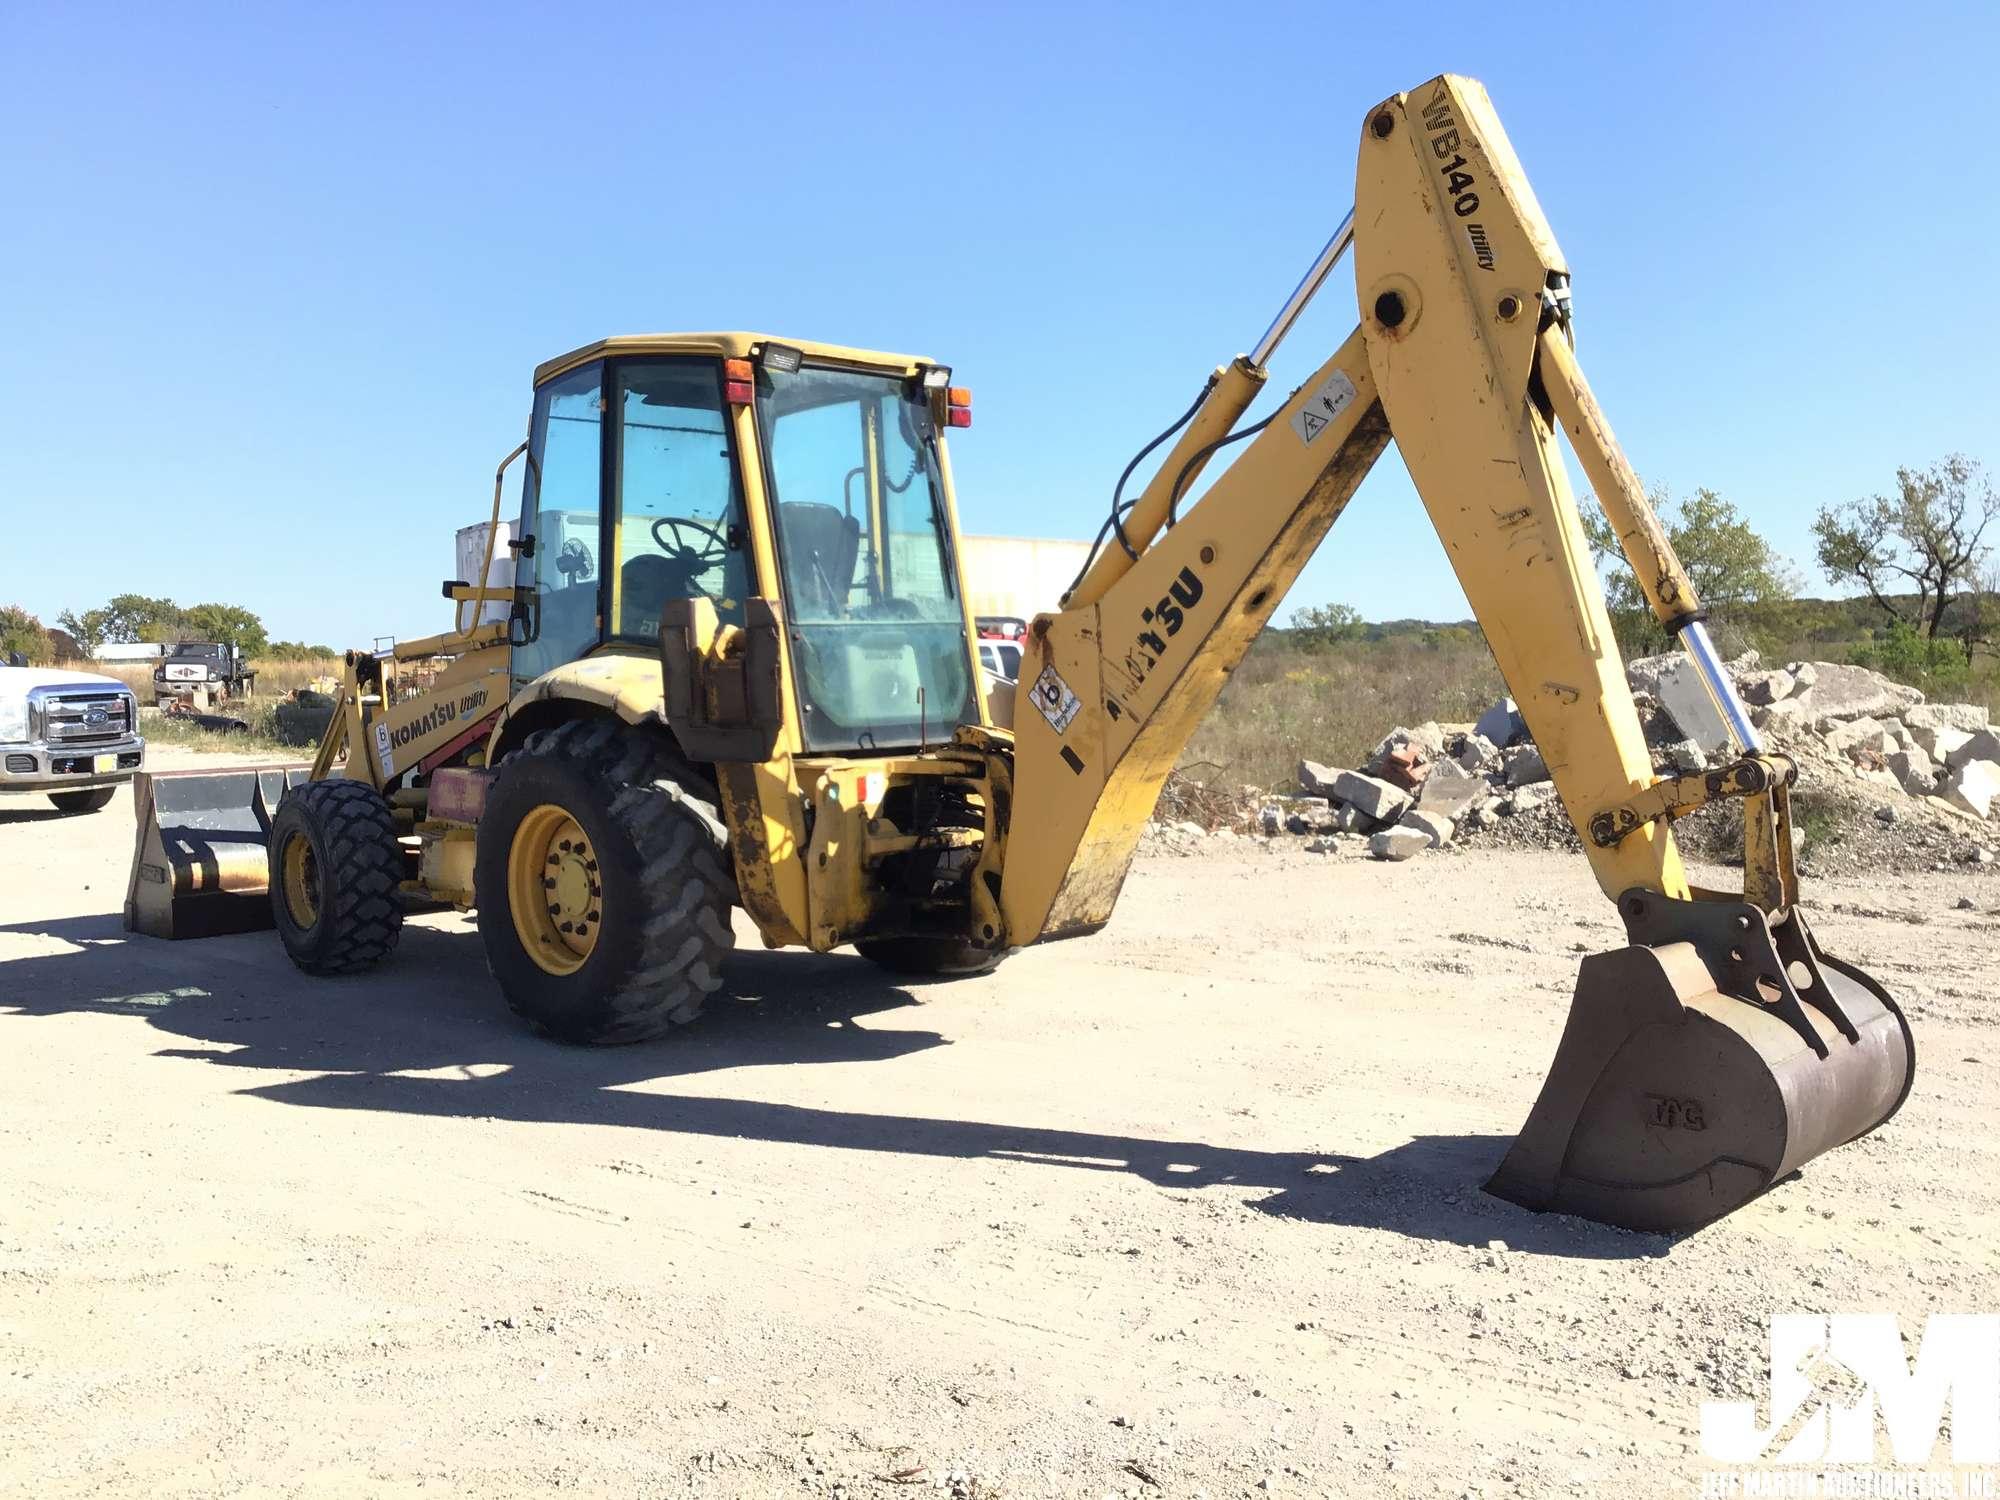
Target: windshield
(877, 628)
(186, 649)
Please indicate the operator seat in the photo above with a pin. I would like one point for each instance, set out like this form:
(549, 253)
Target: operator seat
(820, 544)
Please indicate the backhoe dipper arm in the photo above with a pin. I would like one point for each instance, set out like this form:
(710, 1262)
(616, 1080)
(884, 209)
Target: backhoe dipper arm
(1464, 301)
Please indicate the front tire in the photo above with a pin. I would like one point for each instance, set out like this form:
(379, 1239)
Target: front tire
(334, 871)
(603, 884)
(83, 802)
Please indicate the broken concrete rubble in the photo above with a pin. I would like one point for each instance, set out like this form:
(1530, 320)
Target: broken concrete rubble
(1375, 797)
(1914, 771)
(1477, 753)
(1687, 703)
(1399, 843)
(1685, 757)
(1766, 687)
(1437, 827)
(1450, 789)
(1530, 798)
(1525, 766)
(1971, 787)
(1984, 745)
(1937, 741)
(1970, 717)
(1502, 724)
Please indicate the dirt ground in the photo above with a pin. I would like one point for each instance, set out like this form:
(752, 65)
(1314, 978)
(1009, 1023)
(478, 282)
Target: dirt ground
(1189, 1207)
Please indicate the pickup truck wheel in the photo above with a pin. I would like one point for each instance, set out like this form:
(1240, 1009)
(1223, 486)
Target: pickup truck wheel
(929, 957)
(77, 802)
(604, 884)
(334, 872)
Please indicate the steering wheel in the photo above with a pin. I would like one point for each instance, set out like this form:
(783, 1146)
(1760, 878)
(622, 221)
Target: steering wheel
(711, 553)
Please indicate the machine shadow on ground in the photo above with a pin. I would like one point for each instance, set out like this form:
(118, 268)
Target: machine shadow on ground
(363, 1039)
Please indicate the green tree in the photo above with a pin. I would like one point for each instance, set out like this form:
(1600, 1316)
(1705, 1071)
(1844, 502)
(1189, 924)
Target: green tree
(88, 628)
(227, 623)
(1321, 625)
(1729, 564)
(136, 617)
(297, 651)
(1918, 549)
(22, 632)
(1937, 666)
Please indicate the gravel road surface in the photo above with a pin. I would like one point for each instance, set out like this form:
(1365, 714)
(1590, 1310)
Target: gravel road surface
(1188, 1207)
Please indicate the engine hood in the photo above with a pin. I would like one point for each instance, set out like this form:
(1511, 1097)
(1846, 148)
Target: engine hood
(19, 679)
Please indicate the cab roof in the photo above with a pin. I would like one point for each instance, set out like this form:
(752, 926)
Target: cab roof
(721, 346)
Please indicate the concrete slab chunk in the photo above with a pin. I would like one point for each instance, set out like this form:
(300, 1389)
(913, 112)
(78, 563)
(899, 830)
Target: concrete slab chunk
(1502, 723)
(1450, 789)
(1434, 826)
(1399, 843)
(1378, 799)
(1985, 745)
(1687, 703)
(1972, 787)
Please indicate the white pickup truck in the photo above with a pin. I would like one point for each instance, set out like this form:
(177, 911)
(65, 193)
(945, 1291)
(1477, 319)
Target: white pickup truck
(70, 736)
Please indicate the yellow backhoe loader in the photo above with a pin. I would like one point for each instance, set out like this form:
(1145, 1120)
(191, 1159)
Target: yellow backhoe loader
(737, 669)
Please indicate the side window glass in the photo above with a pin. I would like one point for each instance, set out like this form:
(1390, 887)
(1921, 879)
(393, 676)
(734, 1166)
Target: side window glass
(679, 534)
(559, 509)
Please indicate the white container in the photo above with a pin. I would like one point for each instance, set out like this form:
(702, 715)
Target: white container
(471, 553)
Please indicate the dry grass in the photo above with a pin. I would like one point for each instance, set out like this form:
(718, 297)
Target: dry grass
(1333, 705)
(274, 678)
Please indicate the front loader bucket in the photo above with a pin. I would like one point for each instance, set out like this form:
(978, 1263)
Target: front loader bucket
(1717, 1054)
(199, 867)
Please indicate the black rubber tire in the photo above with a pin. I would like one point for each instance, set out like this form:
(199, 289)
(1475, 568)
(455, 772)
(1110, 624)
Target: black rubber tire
(668, 887)
(82, 802)
(929, 957)
(358, 865)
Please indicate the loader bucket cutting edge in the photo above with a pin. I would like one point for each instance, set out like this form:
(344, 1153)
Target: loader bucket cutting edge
(199, 865)
(1693, 1074)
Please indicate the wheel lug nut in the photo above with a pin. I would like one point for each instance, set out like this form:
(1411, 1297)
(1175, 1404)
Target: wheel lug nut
(568, 927)
(597, 916)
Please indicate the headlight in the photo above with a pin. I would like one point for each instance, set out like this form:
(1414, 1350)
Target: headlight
(13, 718)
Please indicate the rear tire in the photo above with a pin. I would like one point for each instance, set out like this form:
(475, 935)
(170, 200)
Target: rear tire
(621, 864)
(929, 957)
(335, 867)
(83, 802)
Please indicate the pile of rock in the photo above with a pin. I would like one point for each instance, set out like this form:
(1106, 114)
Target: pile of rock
(1418, 788)
(1877, 731)
(1423, 788)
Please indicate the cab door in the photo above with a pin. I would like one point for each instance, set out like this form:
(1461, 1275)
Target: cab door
(561, 508)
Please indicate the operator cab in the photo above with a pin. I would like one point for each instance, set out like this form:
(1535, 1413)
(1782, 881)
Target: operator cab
(642, 455)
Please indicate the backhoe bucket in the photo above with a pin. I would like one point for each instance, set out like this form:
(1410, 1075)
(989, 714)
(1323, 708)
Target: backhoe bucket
(199, 867)
(1716, 1055)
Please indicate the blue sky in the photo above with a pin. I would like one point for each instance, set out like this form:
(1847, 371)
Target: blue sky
(273, 279)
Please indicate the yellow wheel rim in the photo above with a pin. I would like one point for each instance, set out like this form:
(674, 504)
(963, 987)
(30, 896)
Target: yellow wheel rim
(555, 890)
(301, 881)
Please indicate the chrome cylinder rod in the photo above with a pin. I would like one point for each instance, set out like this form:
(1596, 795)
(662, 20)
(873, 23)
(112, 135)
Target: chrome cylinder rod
(1304, 291)
(1701, 650)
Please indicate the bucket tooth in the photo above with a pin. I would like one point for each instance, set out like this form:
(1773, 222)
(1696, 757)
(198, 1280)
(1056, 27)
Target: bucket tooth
(1717, 1054)
(200, 863)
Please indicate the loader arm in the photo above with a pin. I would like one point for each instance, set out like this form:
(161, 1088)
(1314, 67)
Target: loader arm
(1723, 1047)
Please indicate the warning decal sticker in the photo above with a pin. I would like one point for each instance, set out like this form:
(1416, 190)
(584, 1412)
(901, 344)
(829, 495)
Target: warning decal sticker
(1057, 703)
(1326, 403)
